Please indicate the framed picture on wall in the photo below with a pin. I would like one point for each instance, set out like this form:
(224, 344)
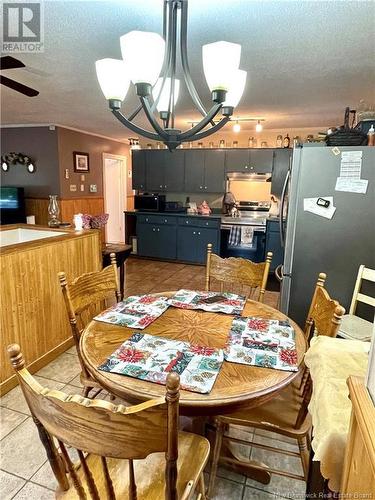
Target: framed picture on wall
(81, 162)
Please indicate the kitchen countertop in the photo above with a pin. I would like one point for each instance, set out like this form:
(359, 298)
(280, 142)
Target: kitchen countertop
(174, 214)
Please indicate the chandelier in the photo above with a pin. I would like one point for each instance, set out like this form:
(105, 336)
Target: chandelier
(146, 56)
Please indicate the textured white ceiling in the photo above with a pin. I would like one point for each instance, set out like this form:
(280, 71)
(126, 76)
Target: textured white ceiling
(306, 60)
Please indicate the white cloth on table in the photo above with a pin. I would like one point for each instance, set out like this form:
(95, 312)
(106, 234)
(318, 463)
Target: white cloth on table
(331, 361)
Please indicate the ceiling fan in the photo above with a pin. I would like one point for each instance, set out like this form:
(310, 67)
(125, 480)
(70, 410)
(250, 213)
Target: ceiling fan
(9, 62)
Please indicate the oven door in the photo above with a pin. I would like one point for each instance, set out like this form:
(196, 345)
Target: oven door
(255, 251)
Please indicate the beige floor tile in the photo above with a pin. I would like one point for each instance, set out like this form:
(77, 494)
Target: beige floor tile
(253, 494)
(226, 490)
(45, 477)
(33, 491)
(281, 486)
(22, 452)
(15, 399)
(9, 485)
(10, 419)
(76, 381)
(62, 369)
(71, 389)
(72, 350)
(277, 460)
(277, 441)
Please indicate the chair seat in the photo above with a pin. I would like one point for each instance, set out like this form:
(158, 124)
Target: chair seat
(193, 452)
(356, 328)
(277, 415)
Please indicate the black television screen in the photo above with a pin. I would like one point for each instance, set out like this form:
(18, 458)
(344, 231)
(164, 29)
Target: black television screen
(12, 205)
(9, 198)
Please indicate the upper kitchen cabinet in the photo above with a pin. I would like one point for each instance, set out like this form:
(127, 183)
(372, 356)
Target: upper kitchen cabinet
(194, 171)
(280, 168)
(214, 178)
(237, 160)
(204, 171)
(261, 160)
(258, 161)
(138, 169)
(165, 171)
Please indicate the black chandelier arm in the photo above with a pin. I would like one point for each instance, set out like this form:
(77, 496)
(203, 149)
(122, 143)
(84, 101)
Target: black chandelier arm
(135, 128)
(203, 123)
(210, 131)
(151, 118)
(184, 61)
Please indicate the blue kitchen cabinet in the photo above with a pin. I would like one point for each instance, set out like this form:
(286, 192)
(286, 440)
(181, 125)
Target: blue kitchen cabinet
(273, 243)
(193, 236)
(157, 240)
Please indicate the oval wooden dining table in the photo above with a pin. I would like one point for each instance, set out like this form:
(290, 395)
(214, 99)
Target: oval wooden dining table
(237, 385)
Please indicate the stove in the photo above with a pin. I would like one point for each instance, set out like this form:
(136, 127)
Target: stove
(251, 213)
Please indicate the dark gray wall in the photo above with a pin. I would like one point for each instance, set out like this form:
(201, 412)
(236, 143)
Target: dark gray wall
(40, 144)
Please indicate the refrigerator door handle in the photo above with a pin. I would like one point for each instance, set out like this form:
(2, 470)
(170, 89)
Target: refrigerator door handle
(281, 214)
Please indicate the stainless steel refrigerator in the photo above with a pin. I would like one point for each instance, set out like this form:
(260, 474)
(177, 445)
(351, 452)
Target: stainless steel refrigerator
(315, 244)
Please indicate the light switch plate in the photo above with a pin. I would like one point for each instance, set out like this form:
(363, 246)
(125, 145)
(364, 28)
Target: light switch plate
(82, 177)
(66, 173)
(93, 188)
(82, 187)
(73, 187)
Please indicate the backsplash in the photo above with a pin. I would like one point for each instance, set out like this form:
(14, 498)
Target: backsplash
(213, 199)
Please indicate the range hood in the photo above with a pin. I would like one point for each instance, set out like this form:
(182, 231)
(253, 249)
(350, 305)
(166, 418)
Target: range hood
(241, 176)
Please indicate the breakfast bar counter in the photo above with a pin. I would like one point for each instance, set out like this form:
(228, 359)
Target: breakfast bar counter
(33, 313)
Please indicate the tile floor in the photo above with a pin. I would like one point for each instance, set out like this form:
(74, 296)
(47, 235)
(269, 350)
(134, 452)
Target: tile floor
(25, 472)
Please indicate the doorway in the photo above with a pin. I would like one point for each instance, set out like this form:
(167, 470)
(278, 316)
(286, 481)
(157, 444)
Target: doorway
(114, 187)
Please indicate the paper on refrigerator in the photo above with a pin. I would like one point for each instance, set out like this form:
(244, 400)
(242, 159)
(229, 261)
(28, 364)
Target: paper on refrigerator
(350, 185)
(309, 205)
(351, 164)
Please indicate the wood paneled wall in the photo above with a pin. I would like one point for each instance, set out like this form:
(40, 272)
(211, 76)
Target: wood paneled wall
(33, 312)
(39, 208)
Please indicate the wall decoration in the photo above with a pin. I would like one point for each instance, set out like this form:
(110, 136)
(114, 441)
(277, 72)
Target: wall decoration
(8, 159)
(81, 162)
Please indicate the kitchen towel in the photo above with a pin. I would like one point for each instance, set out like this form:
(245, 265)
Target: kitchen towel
(247, 234)
(234, 236)
(262, 342)
(227, 303)
(151, 358)
(137, 311)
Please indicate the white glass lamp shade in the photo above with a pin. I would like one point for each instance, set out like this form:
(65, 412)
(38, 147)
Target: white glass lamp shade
(113, 78)
(220, 60)
(236, 88)
(163, 101)
(143, 55)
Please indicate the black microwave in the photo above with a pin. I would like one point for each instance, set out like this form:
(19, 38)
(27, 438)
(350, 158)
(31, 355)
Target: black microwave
(150, 202)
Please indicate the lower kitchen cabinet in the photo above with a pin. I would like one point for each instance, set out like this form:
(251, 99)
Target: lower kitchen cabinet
(182, 238)
(192, 243)
(156, 240)
(273, 244)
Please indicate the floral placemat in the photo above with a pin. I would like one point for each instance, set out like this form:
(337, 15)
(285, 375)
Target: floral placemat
(228, 303)
(262, 342)
(137, 311)
(151, 358)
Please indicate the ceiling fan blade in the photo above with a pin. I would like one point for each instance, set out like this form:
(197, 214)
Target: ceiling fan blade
(18, 87)
(9, 62)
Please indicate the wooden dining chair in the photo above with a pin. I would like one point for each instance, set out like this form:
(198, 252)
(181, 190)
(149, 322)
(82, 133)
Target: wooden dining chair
(131, 452)
(287, 413)
(238, 272)
(84, 298)
(353, 326)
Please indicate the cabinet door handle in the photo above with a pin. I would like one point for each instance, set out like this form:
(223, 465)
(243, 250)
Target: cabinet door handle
(146, 219)
(186, 222)
(200, 187)
(161, 185)
(199, 232)
(206, 223)
(153, 229)
(165, 220)
(158, 229)
(193, 232)
(165, 187)
(205, 187)
(246, 166)
(251, 168)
